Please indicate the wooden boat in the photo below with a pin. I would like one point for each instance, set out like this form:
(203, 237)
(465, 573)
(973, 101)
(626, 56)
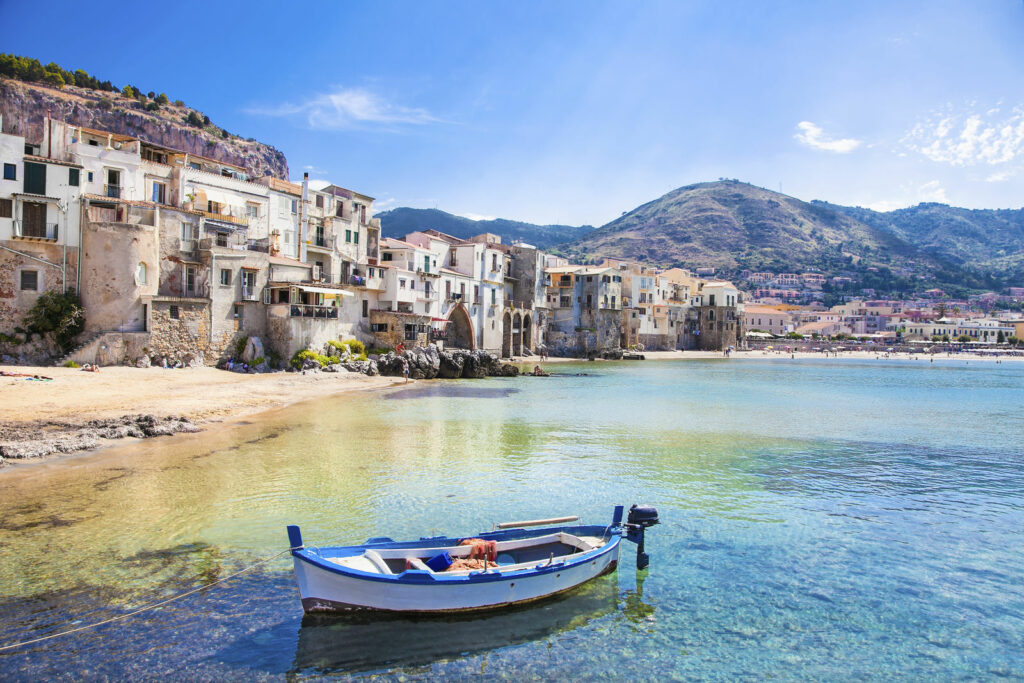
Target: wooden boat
(521, 564)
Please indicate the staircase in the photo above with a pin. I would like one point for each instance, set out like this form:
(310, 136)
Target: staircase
(81, 347)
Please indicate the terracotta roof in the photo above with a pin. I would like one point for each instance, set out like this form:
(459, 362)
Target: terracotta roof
(280, 185)
(391, 241)
(45, 160)
(285, 261)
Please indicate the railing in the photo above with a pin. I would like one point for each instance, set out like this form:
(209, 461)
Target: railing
(227, 218)
(40, 231)
(249, 293)
(313, 311)
(322, 241)
(112, 191)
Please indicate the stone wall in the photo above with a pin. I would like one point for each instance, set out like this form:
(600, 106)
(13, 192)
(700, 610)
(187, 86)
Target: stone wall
(111, 290)
(719, 328)
(185, 338)
(14, 303)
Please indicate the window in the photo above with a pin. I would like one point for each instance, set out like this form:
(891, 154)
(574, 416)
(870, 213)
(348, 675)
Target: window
(401, 283)
(174, 313)
(35, 178)
(366, 308)
(355, 237)
(339, 209)
(159, 193)
(30, 280)
(494, 262)
(590, 303)
(10, 172)
(252, 210)
(348, 236)
(222, 239)
(89, 176)
(453, 257)
(494, 297)
(73, 176)
(476, 293)
(295, 206)
(141, 274)
(225, 276)
(319, 202)
(190, 280)
(6, 208)
(387, 256)
(379, 327)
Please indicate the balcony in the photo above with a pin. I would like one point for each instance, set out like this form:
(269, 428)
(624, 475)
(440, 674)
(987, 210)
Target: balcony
(226, 218)
(322, 241)
(249, 293)
(35, 231)
(112, 191)
(313, 311)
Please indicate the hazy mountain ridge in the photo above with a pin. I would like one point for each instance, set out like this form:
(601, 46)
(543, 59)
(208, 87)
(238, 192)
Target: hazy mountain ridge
(991, 240)
(401, 221)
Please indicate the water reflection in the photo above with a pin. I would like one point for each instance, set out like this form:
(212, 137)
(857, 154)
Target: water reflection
(363, 642)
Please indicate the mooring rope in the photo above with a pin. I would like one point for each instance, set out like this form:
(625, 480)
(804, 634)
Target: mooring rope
(146, 608)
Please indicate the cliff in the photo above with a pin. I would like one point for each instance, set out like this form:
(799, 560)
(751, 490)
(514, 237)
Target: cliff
(24, 107)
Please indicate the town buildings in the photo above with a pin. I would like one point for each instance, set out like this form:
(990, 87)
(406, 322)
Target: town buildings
(179, 258)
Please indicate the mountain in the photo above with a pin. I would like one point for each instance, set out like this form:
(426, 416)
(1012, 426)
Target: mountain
(989, 240)
(25, 105)
(400, 222)
(735, 226)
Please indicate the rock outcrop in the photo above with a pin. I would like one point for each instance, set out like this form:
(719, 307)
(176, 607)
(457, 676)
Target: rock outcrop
(430, 363)
(38, 439)
(24, 107)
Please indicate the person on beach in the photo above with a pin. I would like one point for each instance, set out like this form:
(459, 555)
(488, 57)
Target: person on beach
(405, 369)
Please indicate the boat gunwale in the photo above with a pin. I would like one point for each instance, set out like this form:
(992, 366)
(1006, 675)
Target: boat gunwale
(420, 577)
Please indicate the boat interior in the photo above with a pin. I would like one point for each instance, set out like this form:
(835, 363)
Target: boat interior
(512, 555)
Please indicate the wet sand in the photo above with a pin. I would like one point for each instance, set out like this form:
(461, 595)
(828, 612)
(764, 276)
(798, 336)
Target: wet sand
(64, 411)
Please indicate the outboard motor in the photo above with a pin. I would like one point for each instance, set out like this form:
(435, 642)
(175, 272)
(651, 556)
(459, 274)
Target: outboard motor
(640, 518)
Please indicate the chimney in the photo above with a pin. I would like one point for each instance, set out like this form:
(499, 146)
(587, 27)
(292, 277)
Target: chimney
(303, 218)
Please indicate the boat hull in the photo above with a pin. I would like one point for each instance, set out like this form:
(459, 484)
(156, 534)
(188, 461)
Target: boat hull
(327, 588)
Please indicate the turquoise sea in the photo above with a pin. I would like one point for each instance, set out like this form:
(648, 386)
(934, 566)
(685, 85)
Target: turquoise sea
(821, 520)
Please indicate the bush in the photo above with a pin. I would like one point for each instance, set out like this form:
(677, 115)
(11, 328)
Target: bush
(193, 119)
(105, 103)
(179, 103)
(53, 78)
(300, 357)
(963, 338)
(240, 346)
(152, 106)
(71, 364)
(161, 99)
(59, 314)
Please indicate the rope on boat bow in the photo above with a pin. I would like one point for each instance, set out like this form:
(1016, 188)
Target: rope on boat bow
(146, 608)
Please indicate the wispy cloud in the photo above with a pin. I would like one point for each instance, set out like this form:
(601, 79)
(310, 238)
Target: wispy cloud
(813, 136)
(969, 138)
(1000, 176)
(932, 192)
(475, 216)
(345, 108)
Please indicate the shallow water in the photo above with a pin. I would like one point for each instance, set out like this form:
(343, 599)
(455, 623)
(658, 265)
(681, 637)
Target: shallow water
(823, 519)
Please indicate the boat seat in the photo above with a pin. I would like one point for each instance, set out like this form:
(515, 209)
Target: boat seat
(377, 561)
(417, 563)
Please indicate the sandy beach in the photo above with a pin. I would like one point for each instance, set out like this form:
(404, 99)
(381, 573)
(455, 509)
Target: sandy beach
(78, 411)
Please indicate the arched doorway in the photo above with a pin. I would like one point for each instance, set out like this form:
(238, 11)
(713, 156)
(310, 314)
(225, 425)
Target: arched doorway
(506, 335)
(460, 329)
(527, 334)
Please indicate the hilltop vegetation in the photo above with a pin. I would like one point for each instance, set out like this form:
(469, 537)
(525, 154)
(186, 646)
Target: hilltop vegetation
(29, 90)
(400, 222)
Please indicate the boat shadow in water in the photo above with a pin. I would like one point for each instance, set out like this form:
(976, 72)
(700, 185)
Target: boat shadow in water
(366, 641)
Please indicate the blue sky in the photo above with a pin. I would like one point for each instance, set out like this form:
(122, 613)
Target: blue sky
(574, 112)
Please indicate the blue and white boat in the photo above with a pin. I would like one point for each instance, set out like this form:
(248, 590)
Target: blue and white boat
(529, 560)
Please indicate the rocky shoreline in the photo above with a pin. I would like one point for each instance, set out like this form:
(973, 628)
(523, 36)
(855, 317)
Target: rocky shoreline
(42, 438)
